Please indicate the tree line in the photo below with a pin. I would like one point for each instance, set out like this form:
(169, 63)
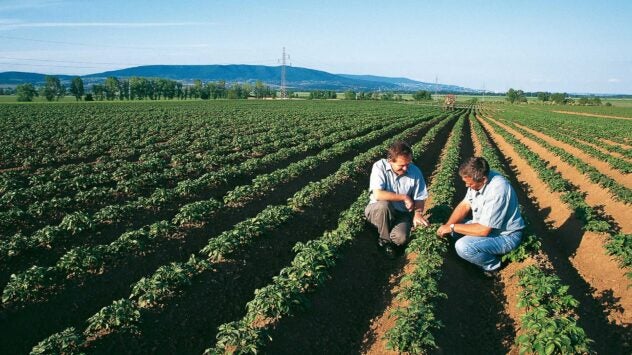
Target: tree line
(138, 88)
(519, 96)
(421, 95)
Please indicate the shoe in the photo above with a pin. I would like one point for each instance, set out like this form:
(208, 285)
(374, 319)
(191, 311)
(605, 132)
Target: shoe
(388, 249)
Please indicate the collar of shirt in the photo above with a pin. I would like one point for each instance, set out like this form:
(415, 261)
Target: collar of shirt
(390, 168)
(482, 189)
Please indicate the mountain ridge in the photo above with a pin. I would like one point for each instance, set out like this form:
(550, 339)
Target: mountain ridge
(297, 78)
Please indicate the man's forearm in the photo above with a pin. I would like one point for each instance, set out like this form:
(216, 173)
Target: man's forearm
(382, 195)
(472, 229)
(460, 212)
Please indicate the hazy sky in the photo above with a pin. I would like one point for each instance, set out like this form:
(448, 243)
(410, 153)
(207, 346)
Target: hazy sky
(571, 46)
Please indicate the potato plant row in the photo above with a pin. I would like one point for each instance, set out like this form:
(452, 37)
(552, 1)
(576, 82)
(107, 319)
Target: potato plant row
(551, 129)
(135, 180)
(618, 191)
(597, 127)
(81, 262)
(539, 332)
(596, 141)
(169, 280)
(287, 293)
(418, 291)
(45, 135)
(592, 220)
(122, 177)
(80, 221)
(549, 325)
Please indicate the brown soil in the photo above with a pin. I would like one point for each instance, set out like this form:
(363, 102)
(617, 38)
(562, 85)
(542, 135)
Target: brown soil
(622, 145)
(605, 151)
(77, 302)
(486, 325)
(599, 281)
(359, 290)
(478, 151)
(600, 165)
(595, 194)
(592, 115)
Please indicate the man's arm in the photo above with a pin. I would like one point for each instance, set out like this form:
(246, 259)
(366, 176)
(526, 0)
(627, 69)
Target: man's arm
(382, 195)
(458, 215)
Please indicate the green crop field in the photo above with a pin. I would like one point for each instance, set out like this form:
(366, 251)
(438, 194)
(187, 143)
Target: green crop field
(237, 226)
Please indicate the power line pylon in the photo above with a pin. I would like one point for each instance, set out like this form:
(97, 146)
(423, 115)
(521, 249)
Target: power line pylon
(283, 84)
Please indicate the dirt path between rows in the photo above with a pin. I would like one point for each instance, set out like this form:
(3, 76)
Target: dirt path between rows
(595, 194)
(585, 250)
(600, 165)
(374, 341)
(605, 151)
(485, 327)
(622, 145)
(478, 150)
(592, 115)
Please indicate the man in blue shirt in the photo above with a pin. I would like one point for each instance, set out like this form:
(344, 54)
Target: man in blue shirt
(496, 225)
(398, 194)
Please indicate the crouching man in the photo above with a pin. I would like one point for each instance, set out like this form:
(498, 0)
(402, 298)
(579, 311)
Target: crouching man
(398, 193)
(496, 225)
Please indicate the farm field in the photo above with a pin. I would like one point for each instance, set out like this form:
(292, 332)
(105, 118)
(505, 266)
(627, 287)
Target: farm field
(221, 226)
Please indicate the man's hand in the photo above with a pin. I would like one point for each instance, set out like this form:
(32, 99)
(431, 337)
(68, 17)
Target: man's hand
(420, 220)
(444, 230)
(409, 203)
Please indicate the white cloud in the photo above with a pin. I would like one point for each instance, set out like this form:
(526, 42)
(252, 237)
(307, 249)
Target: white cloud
(614, 80)
(12, 24)
(13, 5)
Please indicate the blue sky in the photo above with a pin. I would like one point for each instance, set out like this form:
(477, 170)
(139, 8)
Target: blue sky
(570, 46)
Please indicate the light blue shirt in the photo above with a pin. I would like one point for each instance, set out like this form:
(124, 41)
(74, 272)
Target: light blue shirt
(411, 183)
(496, 205)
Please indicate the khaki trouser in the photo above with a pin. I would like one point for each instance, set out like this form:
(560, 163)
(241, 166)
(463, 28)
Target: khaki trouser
(392, 225)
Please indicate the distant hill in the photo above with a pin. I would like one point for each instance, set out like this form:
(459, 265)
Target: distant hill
(297, 78)
(410, 84)
(17, 78)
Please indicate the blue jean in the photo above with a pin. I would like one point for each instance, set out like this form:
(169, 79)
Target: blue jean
(486, 252)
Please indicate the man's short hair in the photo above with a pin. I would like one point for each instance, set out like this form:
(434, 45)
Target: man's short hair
(398, 149)
(476, 168)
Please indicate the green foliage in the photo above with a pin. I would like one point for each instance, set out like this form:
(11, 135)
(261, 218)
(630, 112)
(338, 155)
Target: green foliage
(516, 96)
(238, 335)
(122, 315)
(52, 88)
(321, 94)
(350, 95)
(620, 245)
(26, 92)
(416, 322)
(544, 96)
(560, 98)
(549, 325)
(67, 341)
(422, 95)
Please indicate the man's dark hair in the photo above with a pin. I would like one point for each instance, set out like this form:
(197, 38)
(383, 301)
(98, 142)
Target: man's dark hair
(397, 149)
(476, 168)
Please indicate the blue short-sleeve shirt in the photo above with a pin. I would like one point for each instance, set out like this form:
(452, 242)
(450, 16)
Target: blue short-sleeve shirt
(411, 183)
(496, 205)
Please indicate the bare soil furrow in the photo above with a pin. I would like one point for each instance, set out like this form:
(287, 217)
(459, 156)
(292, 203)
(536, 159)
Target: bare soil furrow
(596, 196)
(360, 288)
(601, 165)
(602, 314)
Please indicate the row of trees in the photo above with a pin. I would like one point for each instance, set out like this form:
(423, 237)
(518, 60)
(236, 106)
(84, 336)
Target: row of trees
(137, 88)
(518, 96)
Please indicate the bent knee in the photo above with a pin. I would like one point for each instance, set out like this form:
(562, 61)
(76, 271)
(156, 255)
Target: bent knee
(463, 248)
